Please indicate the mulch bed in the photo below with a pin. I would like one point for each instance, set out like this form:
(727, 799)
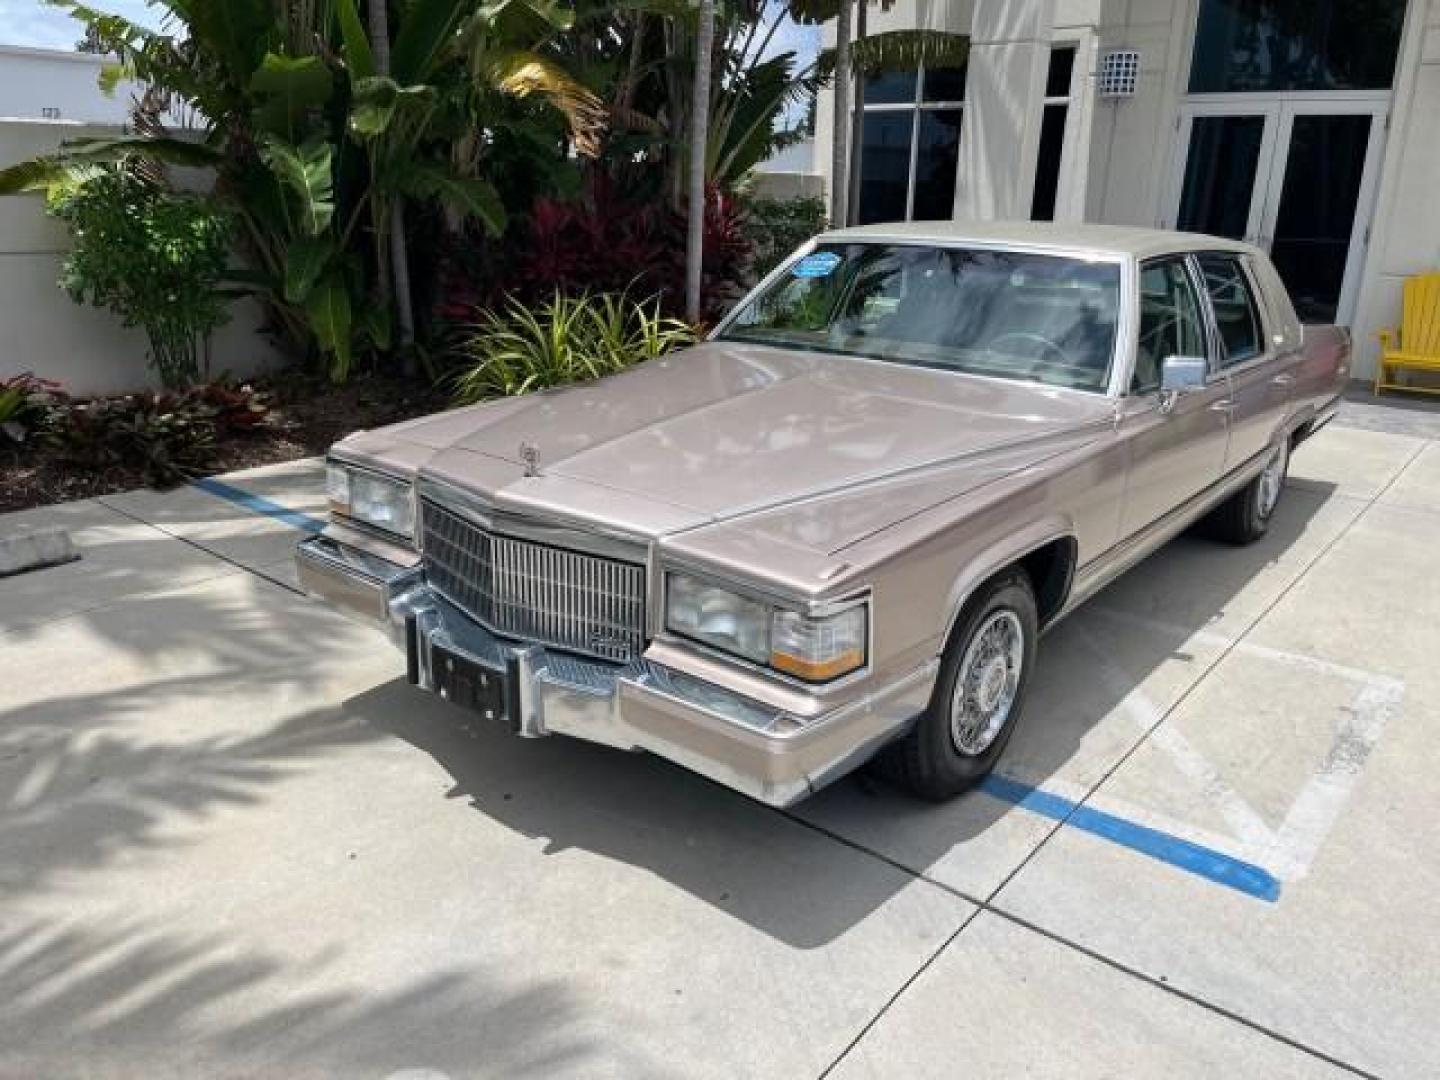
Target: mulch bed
(307, 414)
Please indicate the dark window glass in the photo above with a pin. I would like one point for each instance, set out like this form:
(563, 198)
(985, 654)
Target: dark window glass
(1255, 45)
(1236, 316)
(944, 84)
(1317, 210)
(935, 164)
(1170, 323)
(1057, 78)
(1047, 165)
(890, 88)
(885, 165)
(1220, 175)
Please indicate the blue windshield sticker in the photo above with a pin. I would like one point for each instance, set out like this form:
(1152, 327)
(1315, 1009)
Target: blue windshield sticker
(820, 264)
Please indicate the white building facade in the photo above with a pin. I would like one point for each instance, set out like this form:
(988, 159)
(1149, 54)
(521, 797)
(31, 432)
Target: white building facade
(1309, 127)
(45, 84)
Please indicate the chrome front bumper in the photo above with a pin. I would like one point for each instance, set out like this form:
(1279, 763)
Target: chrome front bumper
(737, 741)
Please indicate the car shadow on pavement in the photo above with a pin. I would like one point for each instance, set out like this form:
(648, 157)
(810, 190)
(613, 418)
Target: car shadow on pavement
(774, 871)
(778, 876)
(1104, 677)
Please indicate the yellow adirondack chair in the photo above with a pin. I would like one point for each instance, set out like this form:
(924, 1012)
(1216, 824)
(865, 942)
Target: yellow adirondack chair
(1418, 345)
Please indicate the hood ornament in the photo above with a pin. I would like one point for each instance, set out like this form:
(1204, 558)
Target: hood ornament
(530, 455)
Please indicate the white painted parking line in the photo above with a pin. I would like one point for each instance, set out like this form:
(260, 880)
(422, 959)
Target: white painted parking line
(1288, 851)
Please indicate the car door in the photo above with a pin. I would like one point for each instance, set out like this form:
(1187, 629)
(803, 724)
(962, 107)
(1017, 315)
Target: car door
(1175, 453)
(1258, 366)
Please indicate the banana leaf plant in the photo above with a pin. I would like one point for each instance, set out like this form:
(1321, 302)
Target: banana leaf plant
(313, 146)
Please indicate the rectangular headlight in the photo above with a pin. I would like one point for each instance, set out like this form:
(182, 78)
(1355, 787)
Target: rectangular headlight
(815, 648)
(374, 500)
(698, 609)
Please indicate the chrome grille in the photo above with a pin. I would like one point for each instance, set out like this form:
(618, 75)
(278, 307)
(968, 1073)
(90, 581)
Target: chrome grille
(536, 592)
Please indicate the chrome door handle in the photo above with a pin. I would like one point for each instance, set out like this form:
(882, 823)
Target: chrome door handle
(1223, 405)
(1282, 380)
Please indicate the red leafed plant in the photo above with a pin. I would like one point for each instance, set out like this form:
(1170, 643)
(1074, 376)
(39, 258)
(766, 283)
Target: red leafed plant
(165, 436)
(604, 242)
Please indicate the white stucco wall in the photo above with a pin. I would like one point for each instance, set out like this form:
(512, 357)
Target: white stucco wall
(84, 348)
(42, 84)
(1004, 92)
(1131, 140)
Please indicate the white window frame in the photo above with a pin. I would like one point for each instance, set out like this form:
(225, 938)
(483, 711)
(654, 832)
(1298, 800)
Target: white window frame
(1278, 111)
(915, 107)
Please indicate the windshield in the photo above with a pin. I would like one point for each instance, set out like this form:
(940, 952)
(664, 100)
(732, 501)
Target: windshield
(1041, 318)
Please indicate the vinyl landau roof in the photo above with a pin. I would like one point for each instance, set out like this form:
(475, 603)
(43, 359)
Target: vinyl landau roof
(1108, 240)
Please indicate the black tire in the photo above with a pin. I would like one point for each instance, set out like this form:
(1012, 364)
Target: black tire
(928, 760)
(1245, 516)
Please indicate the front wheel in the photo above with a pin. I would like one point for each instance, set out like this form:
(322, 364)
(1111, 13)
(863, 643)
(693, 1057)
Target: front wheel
(1245, 516)
(979, 694)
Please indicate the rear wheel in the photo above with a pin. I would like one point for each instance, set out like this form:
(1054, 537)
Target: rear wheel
(978, 695)
(1245, 516)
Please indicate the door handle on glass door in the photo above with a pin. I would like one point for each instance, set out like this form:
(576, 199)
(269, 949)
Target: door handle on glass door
(1224, 405)
(1282, 381)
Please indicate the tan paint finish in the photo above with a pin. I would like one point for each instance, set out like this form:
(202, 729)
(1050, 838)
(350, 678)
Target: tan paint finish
(818, 476)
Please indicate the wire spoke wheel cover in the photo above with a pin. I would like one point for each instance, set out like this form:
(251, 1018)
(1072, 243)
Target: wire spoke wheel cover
(987, 683)
(1272, 480)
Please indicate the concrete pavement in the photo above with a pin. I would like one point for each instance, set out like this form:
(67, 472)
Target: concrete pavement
(233, 842)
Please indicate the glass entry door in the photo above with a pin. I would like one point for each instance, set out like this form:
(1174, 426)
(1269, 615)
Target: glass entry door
(1294, 176)
(1227, 160)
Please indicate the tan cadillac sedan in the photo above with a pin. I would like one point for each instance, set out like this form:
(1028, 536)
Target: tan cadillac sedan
(840, 526)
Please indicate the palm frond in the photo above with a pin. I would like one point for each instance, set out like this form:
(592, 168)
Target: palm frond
(900, 50)
(523, 73)
(77, 158)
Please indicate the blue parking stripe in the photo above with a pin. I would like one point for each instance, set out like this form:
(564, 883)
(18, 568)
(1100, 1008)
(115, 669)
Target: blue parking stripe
(259, 505)
(1196, 859)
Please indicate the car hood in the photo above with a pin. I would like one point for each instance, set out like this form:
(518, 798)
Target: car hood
(726, 433)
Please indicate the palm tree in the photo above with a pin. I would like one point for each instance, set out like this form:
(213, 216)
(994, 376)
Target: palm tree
(399, 253)
(699, 143)
(857, 94)
(840, 128)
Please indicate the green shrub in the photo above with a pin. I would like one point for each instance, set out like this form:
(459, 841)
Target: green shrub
(564, 340)
(153, 257)
(778, 226)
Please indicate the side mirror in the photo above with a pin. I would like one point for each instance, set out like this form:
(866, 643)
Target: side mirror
(1180, 375)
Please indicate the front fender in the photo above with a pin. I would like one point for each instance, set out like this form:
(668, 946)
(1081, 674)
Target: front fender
(995, 558)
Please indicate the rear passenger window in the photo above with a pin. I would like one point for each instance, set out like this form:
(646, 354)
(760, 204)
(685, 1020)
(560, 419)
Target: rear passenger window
(1236, 315)
(1170, 323)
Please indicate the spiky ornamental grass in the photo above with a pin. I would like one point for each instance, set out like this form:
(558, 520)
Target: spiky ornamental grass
(567, 339)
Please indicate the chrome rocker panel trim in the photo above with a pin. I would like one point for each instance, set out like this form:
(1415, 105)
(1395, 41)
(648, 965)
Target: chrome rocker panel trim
(736, 741)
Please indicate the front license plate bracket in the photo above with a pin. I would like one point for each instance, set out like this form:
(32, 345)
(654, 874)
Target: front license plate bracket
(471, 685)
